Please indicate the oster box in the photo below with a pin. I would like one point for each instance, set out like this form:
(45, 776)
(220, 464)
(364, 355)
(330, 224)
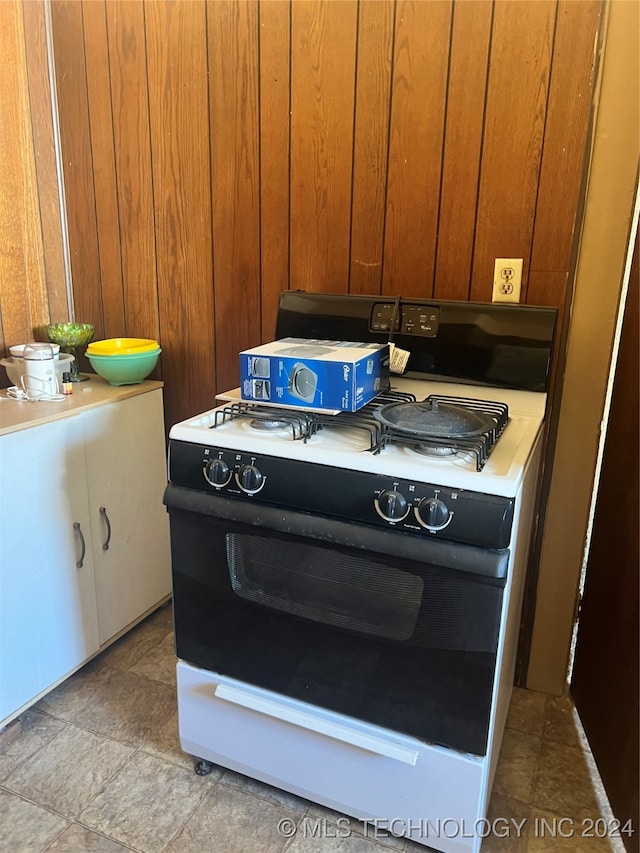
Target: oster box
(316, 374)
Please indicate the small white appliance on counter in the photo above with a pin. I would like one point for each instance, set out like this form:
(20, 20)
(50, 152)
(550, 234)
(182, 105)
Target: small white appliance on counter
(40, 370)
(347, 587)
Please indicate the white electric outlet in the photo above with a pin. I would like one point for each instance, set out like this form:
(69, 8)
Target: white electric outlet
(507, 279)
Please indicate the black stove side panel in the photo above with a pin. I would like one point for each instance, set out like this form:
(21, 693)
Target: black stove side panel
(497, 344)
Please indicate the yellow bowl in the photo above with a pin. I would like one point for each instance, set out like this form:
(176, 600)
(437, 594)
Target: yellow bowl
(122, 346)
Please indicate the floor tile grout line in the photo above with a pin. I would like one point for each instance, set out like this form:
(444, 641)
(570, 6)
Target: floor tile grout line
(45, 808)
(536, 774)
(178, 833)
(32, 755)
(265, 798)
(84, 728)
(50, 808)
(356, 821)
(96, 832)
(78, 821)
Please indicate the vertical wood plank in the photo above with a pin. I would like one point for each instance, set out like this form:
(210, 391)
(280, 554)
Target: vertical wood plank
(94, 15)
(546, 287)
(233, 65)
(23, 300)
(415, 145)
(178, 108)
(66, 18)
(322, 94)
(48, 188)
(127, 63)
(373, 84)
(275, 48)
(462, 145)
(513, 137)
(564, 143)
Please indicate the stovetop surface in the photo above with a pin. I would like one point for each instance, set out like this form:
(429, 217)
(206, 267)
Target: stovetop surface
(350, 448)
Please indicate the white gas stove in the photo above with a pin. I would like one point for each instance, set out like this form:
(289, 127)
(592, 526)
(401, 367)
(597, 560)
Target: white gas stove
(348, 587)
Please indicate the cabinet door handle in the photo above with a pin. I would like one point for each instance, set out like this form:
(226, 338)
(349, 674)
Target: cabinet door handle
(103, 513)
(78, 530)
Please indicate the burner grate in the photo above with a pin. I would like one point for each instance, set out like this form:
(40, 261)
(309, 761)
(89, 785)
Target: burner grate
(296, 422)
(363, 419)
(479, 447)
(304, 425)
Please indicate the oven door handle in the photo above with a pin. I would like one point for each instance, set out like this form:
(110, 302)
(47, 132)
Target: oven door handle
(363, 740)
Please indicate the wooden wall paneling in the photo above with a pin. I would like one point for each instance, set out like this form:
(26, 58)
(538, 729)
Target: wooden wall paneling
(129, 94)
(570, 97)
(275, 48)
(421, 52)
(23, 299)
(48, 187)
(371, 144)
(178, 108)
(547, 288)
(233, 66)
(323, 43)
(466, 92)
(73, 108)
(94, 14)
(519, 68)
(330, 163)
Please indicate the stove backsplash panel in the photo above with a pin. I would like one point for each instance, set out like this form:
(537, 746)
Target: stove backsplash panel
(493, 344)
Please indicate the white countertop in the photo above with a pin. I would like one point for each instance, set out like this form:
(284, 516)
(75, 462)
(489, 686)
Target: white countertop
(96, 391)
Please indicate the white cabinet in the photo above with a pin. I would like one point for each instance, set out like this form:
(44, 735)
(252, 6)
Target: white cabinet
(48, 620)
(126, 474)
(63, 595)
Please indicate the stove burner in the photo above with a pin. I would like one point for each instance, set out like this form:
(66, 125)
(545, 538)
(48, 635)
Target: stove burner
(433, 450)
(268, 424)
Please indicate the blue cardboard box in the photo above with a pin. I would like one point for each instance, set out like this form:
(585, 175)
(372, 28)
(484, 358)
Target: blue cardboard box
(315, 374)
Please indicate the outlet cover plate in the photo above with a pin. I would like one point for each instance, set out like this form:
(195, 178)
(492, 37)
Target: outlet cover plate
(507, 280)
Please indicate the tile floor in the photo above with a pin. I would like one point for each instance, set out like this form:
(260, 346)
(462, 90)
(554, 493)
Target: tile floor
(96, 766)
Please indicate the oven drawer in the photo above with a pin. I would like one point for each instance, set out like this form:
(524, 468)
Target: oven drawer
(356, 768)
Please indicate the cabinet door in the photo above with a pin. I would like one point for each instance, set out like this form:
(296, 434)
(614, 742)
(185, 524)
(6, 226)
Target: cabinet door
(48, 622)
(126, 465)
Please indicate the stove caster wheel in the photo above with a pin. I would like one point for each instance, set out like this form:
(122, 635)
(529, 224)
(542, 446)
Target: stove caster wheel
(203, 767)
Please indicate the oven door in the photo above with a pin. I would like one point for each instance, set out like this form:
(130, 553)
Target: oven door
(396, 630)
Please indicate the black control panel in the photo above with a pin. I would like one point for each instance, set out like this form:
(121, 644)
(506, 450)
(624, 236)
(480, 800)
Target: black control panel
(416, 508)
(405, 318)
(495, 344)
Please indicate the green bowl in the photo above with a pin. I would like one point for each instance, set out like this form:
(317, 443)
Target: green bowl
(70, 334)
(124, 369)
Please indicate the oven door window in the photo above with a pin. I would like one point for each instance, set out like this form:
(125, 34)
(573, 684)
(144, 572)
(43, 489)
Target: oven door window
(348, 591)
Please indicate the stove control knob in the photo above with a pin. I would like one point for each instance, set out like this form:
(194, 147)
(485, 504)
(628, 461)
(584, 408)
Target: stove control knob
(250, 479)
(217, 472)
(433, 514)
(392, 506)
